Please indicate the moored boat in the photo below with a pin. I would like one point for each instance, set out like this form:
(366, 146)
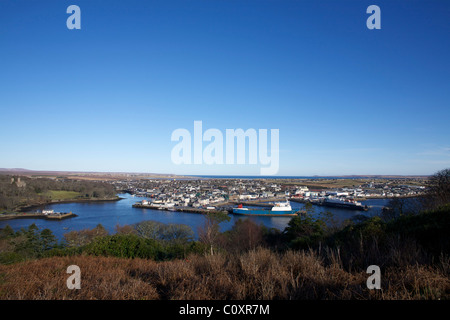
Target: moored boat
(279, 209)
(344, 204)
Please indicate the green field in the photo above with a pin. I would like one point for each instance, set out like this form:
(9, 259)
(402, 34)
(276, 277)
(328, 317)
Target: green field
(61, 195)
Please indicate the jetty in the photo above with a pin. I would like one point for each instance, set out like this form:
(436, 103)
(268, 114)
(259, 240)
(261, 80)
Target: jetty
(177, 208)
(294, 214)
(38, 215)
(149, 206)
(222, 209)
(199, 210)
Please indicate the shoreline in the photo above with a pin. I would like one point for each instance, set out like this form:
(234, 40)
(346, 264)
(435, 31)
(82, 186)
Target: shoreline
(37, 205)
(38, 216)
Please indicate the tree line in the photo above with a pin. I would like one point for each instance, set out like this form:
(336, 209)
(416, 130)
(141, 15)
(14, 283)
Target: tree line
(22, 191)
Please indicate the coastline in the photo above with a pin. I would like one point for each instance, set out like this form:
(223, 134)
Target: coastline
(38, 216)
(37, 205)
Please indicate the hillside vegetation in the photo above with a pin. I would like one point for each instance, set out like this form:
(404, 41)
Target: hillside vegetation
(248, 262)
(256, 274)
(16, 192)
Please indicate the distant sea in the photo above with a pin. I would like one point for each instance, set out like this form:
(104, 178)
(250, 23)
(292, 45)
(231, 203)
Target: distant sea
(288, 177)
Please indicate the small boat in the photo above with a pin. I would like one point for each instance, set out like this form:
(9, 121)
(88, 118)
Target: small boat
(280, 209)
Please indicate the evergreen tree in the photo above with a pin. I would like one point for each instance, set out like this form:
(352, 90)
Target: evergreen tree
(7, 232)
(47, 240)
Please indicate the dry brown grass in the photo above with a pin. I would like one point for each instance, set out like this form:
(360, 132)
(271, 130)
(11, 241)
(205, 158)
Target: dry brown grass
(256, 274)
(101, 278)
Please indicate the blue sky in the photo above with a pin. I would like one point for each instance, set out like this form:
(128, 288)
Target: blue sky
(346, 99)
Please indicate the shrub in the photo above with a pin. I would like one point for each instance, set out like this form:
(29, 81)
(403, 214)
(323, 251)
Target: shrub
(430, 229)
(124, 246)
(174, 233)
(10, 257)
(83, 237)
(244, 235)
(304, 231)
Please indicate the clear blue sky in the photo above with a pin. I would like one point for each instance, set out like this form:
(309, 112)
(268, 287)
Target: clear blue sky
(346, 99)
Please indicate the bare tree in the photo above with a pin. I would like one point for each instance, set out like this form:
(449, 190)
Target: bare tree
(438, 188)
(209, 232)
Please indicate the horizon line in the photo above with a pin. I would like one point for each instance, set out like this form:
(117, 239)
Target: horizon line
(23, 170)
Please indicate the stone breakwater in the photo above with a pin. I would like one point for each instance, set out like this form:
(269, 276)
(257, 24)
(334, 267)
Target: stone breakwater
(36, 215)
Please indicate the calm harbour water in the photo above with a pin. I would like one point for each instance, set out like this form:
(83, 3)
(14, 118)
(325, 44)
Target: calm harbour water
(113, 213)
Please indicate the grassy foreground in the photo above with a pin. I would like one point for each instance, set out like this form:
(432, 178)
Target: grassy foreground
(256, 274)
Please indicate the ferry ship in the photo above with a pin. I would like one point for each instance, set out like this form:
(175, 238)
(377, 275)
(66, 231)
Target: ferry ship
(158, 204)
(280, 209)
(343, 203)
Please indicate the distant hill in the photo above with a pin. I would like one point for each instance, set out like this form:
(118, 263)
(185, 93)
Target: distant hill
(86, 174)
(15, 170)
(385, 176)
(109, 175)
